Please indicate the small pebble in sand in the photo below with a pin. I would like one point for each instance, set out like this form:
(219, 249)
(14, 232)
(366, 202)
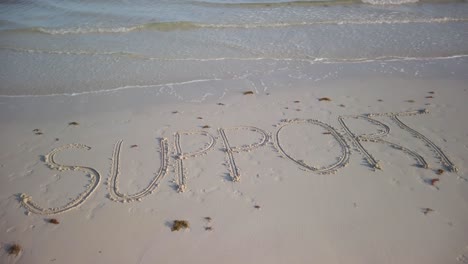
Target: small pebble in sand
(439, 171)
(433, 181)
(73, 123)
(247, 92)
(206, 126)
(133, 146)
(326, 99)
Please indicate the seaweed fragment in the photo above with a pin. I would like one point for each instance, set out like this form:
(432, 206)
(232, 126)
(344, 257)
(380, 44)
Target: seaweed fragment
(440, 171)
(73, 123)
(247, 92)
(53, 221)
(425, 211)
(324, 99)
(14, 249)
(179, 224)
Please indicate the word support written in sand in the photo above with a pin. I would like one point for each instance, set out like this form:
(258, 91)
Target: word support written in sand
(179, 156)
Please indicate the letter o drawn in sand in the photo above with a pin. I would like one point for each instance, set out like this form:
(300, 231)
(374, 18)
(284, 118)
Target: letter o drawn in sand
(343, 159)
(31, 206)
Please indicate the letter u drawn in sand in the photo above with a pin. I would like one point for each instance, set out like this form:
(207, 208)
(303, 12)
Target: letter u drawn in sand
(114, 192)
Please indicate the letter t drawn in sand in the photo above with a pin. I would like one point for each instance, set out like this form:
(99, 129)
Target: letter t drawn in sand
(234, 170)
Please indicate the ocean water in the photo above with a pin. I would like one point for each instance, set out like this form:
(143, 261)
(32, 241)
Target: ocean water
(63, 47)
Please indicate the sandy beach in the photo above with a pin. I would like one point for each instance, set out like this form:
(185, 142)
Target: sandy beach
(270, 205)
(238, 153)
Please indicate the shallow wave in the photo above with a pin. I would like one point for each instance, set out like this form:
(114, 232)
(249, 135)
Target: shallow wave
(266, 3)
(149, 58)
(389, 2)
(312, 60)
(69, 52)
(248, 4)
(184, 25)
(116, 89)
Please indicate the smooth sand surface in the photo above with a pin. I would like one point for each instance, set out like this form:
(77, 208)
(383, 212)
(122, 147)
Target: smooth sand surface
(268, 177)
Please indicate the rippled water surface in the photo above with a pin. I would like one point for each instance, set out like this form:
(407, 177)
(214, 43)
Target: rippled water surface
(72, 47)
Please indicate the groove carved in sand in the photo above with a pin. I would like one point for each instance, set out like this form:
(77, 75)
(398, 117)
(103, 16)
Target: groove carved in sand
(383, 131)
(357, 139)
(50, 161)
(180, 156)
(343, 159)
(230, 150)
(439, 153)
(116, 195)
